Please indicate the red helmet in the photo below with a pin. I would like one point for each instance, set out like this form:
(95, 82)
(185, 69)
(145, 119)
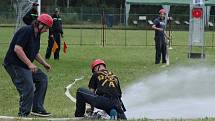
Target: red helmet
(96, 63)
(45, 19)
(162, 11)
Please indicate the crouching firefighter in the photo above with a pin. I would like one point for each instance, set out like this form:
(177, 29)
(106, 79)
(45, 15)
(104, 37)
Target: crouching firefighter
(104, 93)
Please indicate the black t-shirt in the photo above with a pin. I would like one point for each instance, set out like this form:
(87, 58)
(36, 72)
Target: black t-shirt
(106, 84)
(57, 25)
(25, 38)
(159, 23)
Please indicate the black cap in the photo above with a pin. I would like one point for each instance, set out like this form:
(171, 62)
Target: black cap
(35, 4)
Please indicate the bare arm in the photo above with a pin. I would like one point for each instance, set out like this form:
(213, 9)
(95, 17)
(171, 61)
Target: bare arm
(160, 29)
(42, 61)
(22, 56)
(156, 28)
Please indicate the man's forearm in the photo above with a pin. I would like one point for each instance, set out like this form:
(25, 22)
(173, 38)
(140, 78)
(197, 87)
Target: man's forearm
(40, 59)
(156, 28)
(21, 55)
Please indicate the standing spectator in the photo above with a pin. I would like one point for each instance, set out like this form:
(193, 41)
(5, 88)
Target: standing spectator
(160, 43)
(32, 15)
(55, 35)
(30, 81)
(104, 92)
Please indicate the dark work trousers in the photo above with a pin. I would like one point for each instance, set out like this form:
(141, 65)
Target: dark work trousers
(84, 96)
(160, 46)
(31, 87)
(57, 38)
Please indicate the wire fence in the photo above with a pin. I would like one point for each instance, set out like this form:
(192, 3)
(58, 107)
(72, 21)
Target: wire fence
(107, 27)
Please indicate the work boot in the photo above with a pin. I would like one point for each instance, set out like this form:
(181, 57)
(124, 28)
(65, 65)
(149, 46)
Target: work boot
(113, 114)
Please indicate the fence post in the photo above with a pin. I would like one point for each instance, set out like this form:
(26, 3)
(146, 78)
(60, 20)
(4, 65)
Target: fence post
(125, 27)
(213, 32)
(146, 37)
(213, 37)
(81, 36)
(103, 34)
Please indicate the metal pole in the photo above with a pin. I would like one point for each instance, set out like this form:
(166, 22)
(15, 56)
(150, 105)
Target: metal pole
(213, 37)
(39, 7)
(125, 35)
(105, 29)
(81, 38)
(146, 31)
(213, 33)
(68, 3)
(146, 37)
(125, 25)
(170, 33)
(103, 32)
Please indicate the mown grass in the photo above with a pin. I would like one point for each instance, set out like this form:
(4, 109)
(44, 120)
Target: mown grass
(128, 62)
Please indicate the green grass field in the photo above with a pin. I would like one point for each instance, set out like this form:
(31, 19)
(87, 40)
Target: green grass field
(128, 62)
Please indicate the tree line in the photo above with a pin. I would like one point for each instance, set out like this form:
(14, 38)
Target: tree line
(10, 4)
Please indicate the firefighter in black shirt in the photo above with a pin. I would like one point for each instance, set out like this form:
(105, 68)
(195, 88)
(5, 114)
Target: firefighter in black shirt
(55, 34)
(160, 35)
(104, 92)
(32, 15)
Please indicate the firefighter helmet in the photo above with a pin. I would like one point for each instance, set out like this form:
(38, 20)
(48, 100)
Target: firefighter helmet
(45, 19)
(96, 63)
(162, 11)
